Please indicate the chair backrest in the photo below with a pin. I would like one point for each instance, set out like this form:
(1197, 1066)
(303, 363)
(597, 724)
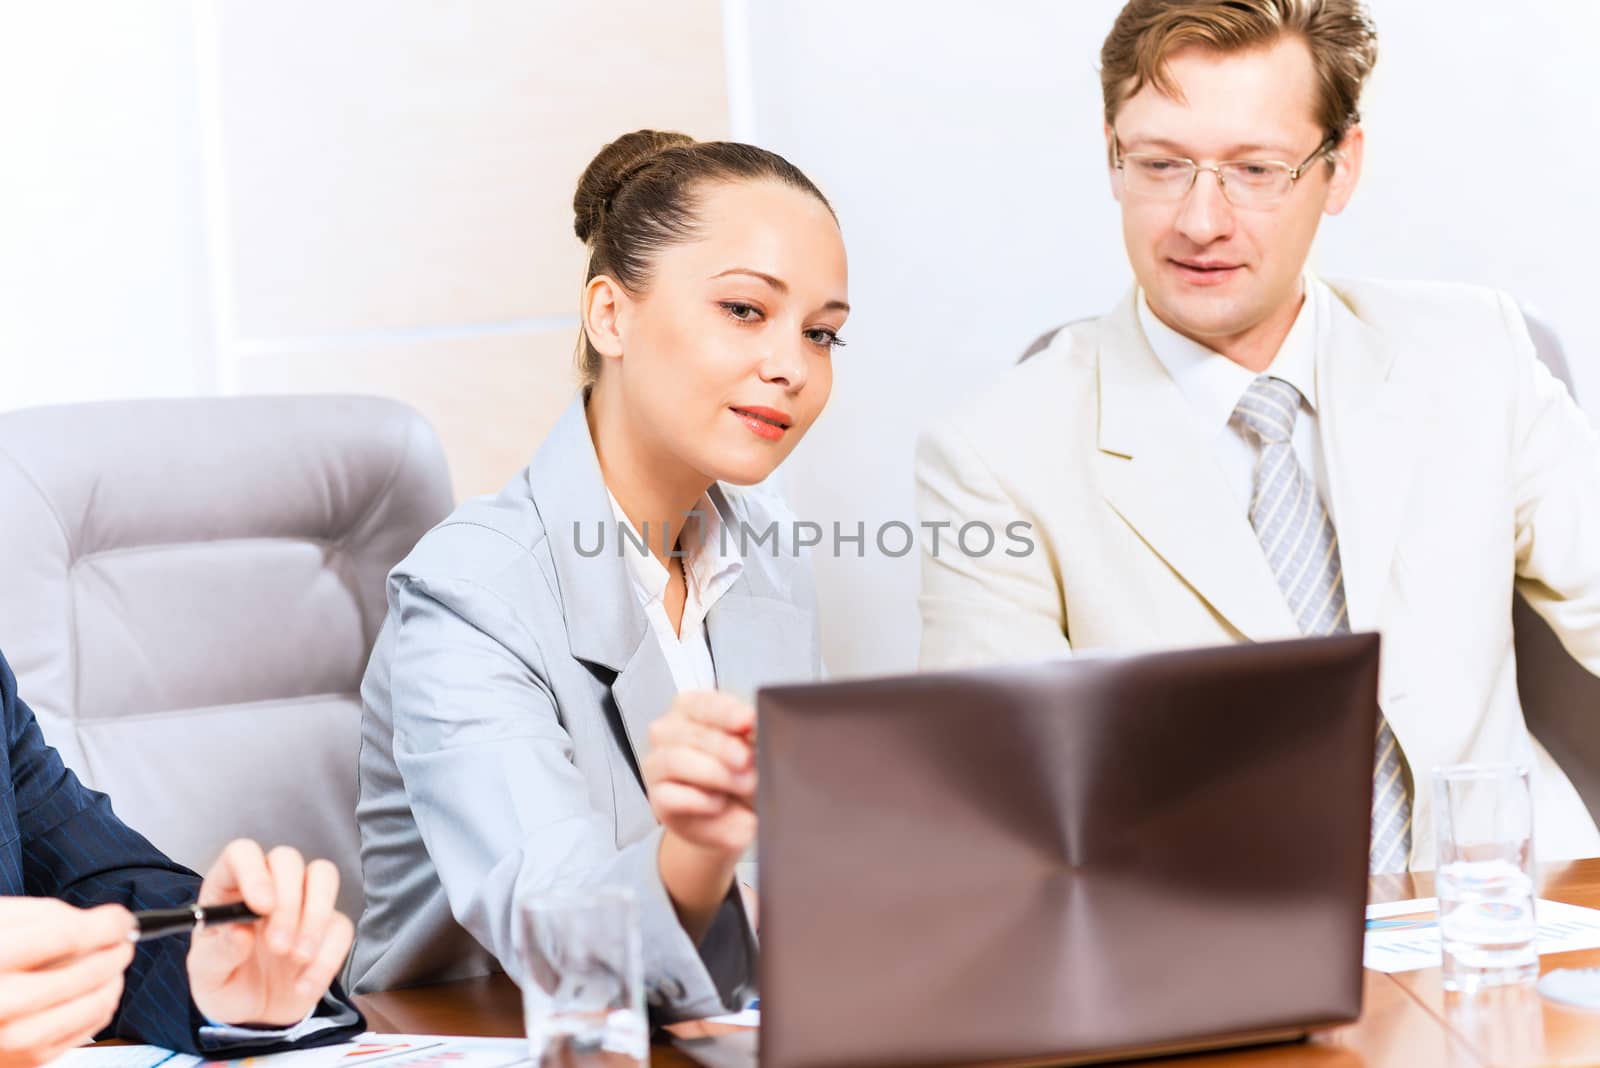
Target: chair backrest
(1558, 694)
(190, 591)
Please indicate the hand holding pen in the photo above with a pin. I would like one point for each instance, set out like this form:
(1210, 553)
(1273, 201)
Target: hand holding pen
(60, 976)
(274, 971)
(158, 923)
(61, 967)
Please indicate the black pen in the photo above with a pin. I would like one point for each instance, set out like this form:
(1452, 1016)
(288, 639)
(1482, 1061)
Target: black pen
(154, 923)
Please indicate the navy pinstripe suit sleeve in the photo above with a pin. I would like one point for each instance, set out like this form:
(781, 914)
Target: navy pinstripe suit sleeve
(65, 842)
(70, 845)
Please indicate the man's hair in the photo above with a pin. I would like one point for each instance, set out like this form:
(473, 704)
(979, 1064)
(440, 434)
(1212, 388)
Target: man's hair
(1340, 34)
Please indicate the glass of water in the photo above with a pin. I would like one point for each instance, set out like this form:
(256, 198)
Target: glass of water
(1484, 817)
(581, 970)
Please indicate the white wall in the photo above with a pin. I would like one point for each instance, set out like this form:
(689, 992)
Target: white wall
(961, 146)
(372, 196)
(103, 287)
(392, 194)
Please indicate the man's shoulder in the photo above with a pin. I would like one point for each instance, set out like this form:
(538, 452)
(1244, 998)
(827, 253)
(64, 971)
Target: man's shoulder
(15, 715)
(1405, 306)
(8, 686)
(8, 730)
(1049, 385)
(1440, 332)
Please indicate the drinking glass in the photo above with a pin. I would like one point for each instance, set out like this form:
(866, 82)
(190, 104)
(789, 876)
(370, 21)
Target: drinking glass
(582, 977)
(1484, 817)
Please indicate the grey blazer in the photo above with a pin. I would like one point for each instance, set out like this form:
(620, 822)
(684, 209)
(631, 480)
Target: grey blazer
(507, 711)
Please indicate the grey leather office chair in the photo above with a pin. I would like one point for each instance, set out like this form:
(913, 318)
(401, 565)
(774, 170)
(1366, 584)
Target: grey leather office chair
(189, 591)
(1560, 697)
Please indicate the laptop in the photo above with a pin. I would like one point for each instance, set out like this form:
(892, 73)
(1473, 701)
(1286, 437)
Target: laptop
(1075, 861)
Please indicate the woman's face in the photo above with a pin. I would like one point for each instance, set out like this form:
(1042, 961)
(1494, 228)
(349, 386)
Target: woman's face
(726, 360)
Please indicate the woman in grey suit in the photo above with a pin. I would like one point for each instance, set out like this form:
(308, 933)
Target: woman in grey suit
(539, 710)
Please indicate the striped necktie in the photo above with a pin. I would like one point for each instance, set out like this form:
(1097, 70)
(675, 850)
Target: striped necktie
(1301, 548)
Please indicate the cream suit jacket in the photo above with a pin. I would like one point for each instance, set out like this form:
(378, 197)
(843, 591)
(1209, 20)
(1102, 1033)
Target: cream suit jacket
(1459, 470)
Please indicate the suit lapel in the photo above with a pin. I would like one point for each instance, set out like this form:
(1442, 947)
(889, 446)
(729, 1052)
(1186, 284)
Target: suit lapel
(758, 641)
(1370, 424)
(756, 635)
(606, 626)
(643, 690)
(755, 640)
(1157, 469)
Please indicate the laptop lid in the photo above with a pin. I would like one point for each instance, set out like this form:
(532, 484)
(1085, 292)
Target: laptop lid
(1082, 858)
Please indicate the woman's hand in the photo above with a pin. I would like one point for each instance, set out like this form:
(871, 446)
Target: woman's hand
(701, 779)
(700, 772)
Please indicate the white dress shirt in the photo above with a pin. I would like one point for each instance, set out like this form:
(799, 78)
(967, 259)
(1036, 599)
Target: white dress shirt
(1213, 385)
(709, 568)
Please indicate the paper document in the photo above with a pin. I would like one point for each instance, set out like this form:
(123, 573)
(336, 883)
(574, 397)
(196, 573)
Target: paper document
(750, 1017)
(394, 1051)
(1403, 936)
(121, 1057)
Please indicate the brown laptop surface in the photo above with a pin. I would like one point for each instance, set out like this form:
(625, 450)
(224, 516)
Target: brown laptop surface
(1076, 860)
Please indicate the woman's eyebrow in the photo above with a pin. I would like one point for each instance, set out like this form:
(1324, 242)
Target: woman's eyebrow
(779, 284)
(776, 283)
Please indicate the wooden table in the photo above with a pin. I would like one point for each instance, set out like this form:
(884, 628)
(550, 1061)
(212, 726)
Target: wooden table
(1408, 1021)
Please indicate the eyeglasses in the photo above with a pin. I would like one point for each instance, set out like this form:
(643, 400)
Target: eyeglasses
(1246, 183)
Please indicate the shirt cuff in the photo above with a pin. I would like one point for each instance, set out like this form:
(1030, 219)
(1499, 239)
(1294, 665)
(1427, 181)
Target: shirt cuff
(220, 1036)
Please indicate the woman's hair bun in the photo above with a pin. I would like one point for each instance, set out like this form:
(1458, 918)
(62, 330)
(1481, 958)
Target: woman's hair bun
(610, 170)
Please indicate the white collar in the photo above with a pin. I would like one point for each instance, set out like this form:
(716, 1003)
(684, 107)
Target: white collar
(1213, 384)
(709, 565)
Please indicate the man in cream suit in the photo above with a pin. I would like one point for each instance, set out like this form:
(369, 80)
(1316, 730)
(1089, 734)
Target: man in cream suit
(1240, 451)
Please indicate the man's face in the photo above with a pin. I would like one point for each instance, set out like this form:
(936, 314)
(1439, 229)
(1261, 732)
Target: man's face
(1212, 271)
